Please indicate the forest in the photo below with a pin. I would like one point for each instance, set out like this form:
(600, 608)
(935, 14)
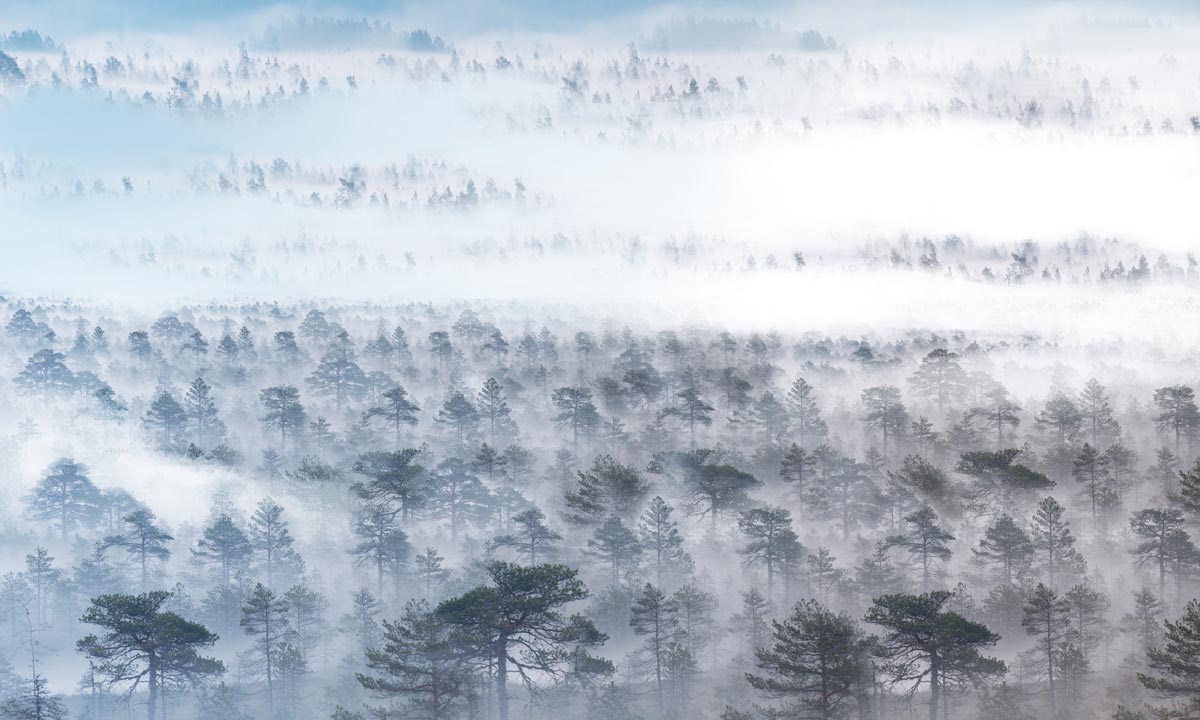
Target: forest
(529, 361)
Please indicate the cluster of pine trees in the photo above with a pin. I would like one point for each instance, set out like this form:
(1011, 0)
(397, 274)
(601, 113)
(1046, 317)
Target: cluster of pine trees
(458, 514)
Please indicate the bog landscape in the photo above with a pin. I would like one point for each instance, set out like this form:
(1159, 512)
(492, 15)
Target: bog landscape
(522, 360)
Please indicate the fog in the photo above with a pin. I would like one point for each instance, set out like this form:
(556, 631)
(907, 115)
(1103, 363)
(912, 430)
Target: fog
(599, 361)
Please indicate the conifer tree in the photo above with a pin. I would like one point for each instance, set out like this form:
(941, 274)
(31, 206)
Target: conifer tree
(1048, 619)
(270, 537)
(1006, 545)
(656, 616)
(201, 412)
(265, 620)
(660, 538)
(66, 495)
(144, 543)
(927, 542)
(818, 662)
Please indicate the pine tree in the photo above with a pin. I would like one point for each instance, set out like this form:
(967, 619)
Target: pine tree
(397, 410)
(43, 579)
(24, 328)
(144, 543)
(941, 377)
(45, 373)
(691, 410)
(168, 418)
(876, 574)
(697, 617)
(140, 641)
(401, 348)
(490, 462)
(1142, 622)
(794, 469)
(493, 409)
(1163, 543)
(805, 414)
(1061, 418)
(112, 407)
(421, 664)
(1188, 496)
(381, 349)
(532, 538)
(458, 414)
(1175, 665)
(916, 480)
(1048, 618)
(139, 346)
(306, 616)
(607, 488)
(228, 350)
(394, 480)
(197, 346)
(1097, 414)
(1178, 413)
(656, 616)
(224, 545)
(770, 540)
(338, 376)
(923, 434)
(523, 607)
(321, 433)
(245, 343)
(362, 619)
(751, 621)
(616, 546)
(496, 345)
(1005, 544)
(381, 545)
(883, 411)
(712, 489)
(1053, 543)
(33, 701)
(659, 536)
(1165, 470)
(430, 571)
(289, 353)
(1091, 470)
(576, 411)
(823, 573)
(1089, 609)
(201, 411)
(998, 412)
(926, 542)
(459, 496)
(847, 490)
(927, 645)
(270, 538)
(769, 417)
(65, 494)
(284, 413)
(264, 619)
(818, 662)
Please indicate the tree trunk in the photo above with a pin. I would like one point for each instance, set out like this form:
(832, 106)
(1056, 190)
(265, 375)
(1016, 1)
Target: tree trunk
(658, 670)
(501, 680)
(1050, 669)
(935, 686)
(152, 683)
(269, 655)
